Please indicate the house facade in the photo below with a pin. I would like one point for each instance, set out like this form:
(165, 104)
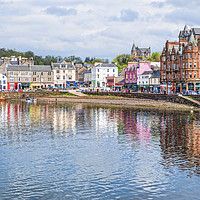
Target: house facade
(132, 72)
(3, 82)
(41, 76)
(64, 74)
(18, 77)
(154, 82)
(143, 81)
(99, 73)
(180, 68)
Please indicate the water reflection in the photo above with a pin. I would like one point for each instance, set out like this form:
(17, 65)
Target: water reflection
(91, 152)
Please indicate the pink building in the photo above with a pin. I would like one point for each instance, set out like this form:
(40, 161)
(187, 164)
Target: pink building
(132, 71)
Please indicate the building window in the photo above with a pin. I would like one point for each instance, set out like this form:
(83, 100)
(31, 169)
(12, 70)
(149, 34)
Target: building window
(97, 70)
(19, 73)
(113, 70)
(195, 74)
(34, 73)
(41, 73)
(11, 79)
(4, 82)
(26, 79)
(19, 79)
(195, 56)
(49, 73)
(107, 70)
(97, 75)
(174, 66)
(34, 79)
(58, 71)
(183, 65)
(58, 77)
(190, 56)
(195, 65)
(183, 75)
(186, 65)
(164, 67)
(49, 79)
(70, 77)
(27, 73)
(190, 75)
(190, 47)
(63, 77)
(190, 65)
(4, 87)
(11, 73)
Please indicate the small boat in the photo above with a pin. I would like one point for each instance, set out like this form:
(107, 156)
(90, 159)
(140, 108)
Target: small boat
(31, 100)
(2, 99)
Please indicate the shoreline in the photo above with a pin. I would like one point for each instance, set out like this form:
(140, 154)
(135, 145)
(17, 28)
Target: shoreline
(119, 102)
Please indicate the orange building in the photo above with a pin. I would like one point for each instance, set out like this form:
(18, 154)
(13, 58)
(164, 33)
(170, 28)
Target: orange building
(180, 69)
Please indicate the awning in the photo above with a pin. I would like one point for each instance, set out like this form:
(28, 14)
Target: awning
(191, 86)
(184, 85)
(118, 86)
(198, 86)
(36, 84)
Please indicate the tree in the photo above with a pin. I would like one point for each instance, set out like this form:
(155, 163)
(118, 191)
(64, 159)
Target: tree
(122, 61)
(155, 57)
(29, 54)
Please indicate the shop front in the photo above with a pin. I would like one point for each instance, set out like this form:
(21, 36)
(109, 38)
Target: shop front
(35, 86)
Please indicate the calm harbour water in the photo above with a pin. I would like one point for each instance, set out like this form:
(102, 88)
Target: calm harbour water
(76, 151)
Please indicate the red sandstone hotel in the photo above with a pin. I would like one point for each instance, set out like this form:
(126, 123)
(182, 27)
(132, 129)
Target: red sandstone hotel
(180, 63)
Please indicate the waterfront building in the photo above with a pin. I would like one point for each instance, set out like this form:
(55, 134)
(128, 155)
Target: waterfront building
(88, 77)
(18, 77)
(3, 82)
(26, 76)
(143, 81)
(140, 53)
(100, 71)
(154, 82)
(64, 74)
(133, 70)
(180, 70)
(41, 76)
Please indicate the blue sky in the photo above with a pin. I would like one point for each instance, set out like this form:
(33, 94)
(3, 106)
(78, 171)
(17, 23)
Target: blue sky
(96, 28)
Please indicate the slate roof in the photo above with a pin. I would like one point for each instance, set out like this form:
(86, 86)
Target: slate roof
(18, 68)
(156, 74)
(197, 31)
(41, 68)
(58, 65)
(106, 65)
(146, 72)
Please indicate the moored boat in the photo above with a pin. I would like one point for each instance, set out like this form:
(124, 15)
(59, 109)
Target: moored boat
(31, 100)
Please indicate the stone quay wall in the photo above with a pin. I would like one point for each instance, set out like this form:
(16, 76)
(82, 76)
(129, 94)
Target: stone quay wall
(163, 97)
(24, 95)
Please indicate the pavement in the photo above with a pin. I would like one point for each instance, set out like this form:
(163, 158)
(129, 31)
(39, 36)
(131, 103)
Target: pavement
(80, 94)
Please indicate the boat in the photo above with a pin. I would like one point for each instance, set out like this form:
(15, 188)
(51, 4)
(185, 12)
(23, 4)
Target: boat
(2, 99)
(29, 100)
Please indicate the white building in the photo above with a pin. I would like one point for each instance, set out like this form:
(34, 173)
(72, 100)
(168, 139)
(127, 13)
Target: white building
(99, 73)
(64, 74)
(143, 80)
(3, 82)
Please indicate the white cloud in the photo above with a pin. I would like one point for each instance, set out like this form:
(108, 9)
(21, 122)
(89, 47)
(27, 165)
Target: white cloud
(98, 28)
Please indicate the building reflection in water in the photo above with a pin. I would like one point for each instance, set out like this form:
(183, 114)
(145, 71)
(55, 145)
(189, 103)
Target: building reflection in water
(176, 134)
(180, 141)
